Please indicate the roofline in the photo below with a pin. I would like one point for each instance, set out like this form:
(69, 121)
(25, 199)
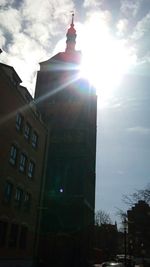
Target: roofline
(10, 67)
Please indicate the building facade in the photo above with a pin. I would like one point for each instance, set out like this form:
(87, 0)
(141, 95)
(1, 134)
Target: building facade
(68, 105)
(139, 230)
(106, 239)
(22, 151)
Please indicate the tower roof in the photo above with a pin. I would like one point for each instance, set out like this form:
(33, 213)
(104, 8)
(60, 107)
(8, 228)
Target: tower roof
(70, 56)
(71, 37)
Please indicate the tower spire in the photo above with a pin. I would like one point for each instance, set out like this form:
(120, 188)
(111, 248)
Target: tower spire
(71, 36)
(72, 21)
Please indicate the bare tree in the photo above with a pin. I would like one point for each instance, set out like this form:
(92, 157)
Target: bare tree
(141, 194)
(122, 214)
(102, 217)
(132, 199)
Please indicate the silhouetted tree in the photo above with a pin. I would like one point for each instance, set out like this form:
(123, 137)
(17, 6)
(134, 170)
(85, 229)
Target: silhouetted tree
(102, 217)
(131, 199)
(141, 194)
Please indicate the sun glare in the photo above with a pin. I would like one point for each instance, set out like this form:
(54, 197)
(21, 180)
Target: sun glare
(105, 59)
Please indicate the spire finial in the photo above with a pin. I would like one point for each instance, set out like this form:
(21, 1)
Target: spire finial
(72, 20)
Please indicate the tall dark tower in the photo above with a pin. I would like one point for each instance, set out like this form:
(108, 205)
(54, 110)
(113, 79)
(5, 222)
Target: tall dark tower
(68, 105)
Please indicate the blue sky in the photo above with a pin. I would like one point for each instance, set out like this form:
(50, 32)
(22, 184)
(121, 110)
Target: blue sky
(32, 31)
(123, 145)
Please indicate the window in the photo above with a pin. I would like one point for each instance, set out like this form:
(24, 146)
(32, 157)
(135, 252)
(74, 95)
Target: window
(8, 191)
(13, 235)
(27, 131)
(22, 165)
(19, 196)
(34, 140)
(19, 122)
(13, 155)
(27, 201)
(3, 233)
(23, 237)
(31, 169)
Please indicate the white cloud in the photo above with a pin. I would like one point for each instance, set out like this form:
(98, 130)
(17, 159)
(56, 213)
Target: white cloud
(38, 33)
(139, 130)
(142, 28)
(130, 7)
(140, 38)
(28, 33)
(2, 39)
(92, 3)
(4, 3)
(10, 20)
(122, 26)
(98, 20)
(48, 15)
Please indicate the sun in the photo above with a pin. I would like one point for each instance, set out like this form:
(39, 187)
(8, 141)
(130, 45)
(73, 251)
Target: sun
(105, 59)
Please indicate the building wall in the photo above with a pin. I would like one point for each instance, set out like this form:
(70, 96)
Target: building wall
(106, 239)
(139, 229)
(68, 105)
(20, 185)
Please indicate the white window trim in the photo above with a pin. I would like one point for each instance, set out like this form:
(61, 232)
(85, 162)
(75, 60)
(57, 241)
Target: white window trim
(18, 194)
(31, 168)
(35, 138)
(27, 131)
(19, 120)
(13, 154)
(22, 163)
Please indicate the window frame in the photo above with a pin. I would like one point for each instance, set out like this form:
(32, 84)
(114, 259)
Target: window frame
(19, 121)
(35, 139)
(18, 196)
(31, 169)
(8, 195)
(13, 154)
(27, 131)
(22, 162)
